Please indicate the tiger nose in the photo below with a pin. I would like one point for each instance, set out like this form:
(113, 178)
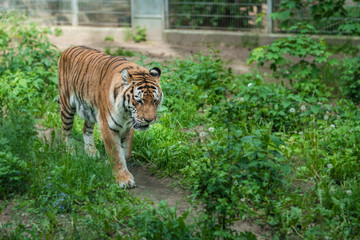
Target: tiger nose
(148, 120)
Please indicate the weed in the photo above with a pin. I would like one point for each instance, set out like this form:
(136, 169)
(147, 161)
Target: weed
(109, 38)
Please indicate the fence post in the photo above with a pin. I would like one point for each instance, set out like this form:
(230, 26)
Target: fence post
(74, 13)
(166, 14)
(269, 20)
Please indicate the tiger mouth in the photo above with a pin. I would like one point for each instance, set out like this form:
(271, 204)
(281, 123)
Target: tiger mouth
(141, 127)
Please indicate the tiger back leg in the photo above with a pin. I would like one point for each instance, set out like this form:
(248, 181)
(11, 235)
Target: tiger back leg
(67, 117)
(89, 144)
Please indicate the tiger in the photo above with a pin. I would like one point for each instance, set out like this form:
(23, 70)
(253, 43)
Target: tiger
(117, 94)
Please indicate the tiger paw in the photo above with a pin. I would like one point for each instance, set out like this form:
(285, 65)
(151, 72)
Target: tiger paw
(91, 151)
(70, 145)
(125, 180)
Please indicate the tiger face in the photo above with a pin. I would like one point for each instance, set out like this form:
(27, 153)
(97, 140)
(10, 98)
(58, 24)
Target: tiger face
(146, 97)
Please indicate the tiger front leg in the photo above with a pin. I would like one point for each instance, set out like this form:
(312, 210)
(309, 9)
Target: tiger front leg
(112, 142)
(89, 144)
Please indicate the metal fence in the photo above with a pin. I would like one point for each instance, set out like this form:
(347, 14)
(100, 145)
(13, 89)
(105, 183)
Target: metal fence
(244, 15)
(232, 15)
(326, 26)
(115, 13)
(216, 14)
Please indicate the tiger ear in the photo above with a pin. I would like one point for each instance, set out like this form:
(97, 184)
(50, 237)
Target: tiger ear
(125, 77)
(156, 73)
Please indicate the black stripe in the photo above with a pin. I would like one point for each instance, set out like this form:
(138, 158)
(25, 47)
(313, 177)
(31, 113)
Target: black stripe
(114, 119)
(68, 123)
(113, 130)
(67, 129)
(88, 126)
(116, 92)
(118, 65)
(107, 68)
(66, 117)
(67, 112)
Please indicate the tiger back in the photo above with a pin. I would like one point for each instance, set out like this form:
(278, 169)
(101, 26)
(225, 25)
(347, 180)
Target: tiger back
(116, 93)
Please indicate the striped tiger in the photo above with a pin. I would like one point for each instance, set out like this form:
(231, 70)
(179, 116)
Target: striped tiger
(117, 94)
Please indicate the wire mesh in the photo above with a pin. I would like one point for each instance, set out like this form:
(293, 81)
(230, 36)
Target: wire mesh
(216, 14)
(325, 26)
(179, 14)
(59, 12)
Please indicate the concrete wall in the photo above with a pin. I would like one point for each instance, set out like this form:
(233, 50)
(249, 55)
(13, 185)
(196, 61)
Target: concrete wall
(237, 39)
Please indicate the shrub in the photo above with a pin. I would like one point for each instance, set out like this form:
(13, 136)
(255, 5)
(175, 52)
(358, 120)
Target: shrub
(17, 138)
(340, 141)
(13, 174)
(303, 73)
(350, 78)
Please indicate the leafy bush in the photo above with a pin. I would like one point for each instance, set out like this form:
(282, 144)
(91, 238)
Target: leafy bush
(13, 174)
(169, 152)
(339, 141)
(303, 74)
(161, 223)
(201, 79)
(321, 14)
(28, 64)
(350, 78)
(17, 139)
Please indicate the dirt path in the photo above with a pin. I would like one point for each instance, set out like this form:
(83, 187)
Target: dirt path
(155, 51)
(157, 189)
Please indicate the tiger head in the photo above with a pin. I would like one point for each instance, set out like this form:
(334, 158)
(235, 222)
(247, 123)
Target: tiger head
(143, 95)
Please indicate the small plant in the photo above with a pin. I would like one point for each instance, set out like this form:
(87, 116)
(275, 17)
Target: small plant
(139, 34)
(119, 52)
(58, 32)
(109, 38)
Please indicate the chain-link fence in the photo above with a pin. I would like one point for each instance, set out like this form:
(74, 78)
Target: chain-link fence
(232, 15)
(113, 13)
(248, 15)
(216, 14)
(324, 26)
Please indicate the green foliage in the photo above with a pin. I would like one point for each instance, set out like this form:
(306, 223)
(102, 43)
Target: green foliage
(232, 173)
(12, 174)
(161, 223)
(323, 15)
(339, 144)
(303, 75)
(170, 153)
(263, 104)
(119, 52)
(139, 35)
(58, 32)
(244, 149)
(17, 138)
(350, 78)
(109, 38)
(28, 64)
(201, 79)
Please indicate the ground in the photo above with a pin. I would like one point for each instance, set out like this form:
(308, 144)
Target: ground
(155, 50)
